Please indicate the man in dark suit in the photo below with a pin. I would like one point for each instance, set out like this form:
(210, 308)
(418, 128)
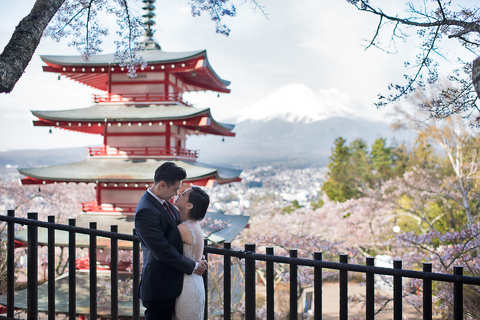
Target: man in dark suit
(163, 262)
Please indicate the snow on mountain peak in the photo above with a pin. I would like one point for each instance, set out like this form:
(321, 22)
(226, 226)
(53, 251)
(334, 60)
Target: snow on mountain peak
(296, 103)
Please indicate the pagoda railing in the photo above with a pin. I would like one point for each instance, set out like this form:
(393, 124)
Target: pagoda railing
(140, 97)
(142, 152)
(94, 206)
(249, 258)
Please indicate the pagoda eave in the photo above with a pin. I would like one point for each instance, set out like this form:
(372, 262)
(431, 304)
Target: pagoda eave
(122, 171)
(123, 113)
(193, 68)
(94, 119)
(98, 60)
(215, 131)
(95, 129)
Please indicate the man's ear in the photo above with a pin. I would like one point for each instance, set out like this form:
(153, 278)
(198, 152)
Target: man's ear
(189, 206)
(162, 184)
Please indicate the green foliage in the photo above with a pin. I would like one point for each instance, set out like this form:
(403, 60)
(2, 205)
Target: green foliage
(361, 166)
(318, 204)
(383, 160)
(353, 168)
(339, 185)
(423, 155)
(292, 207)
(401, 160)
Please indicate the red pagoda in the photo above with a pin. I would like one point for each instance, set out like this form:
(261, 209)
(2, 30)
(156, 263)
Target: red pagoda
(144, 122)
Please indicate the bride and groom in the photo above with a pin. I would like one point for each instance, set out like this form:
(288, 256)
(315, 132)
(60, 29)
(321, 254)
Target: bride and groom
(171, 285)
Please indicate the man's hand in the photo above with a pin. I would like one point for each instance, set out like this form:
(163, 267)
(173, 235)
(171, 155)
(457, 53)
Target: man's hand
(202, 266)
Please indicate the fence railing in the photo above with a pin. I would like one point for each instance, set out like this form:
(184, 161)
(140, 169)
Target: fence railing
(250, 257)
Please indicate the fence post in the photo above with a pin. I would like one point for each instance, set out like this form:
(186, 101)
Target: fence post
(397, 292)
(136, 278)
(10, 265)
(293, 286)
(51, 269)
(93, 271)
(427, 293)
(114, 273)
(458, 294)
(270, 286)
(72, 295)
(317, 287)
(370, 290)
(32, 269)
(227, 282)
(250, 303)
(343, 289)
(205, 280)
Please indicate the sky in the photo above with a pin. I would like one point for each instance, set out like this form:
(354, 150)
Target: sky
(320, 44)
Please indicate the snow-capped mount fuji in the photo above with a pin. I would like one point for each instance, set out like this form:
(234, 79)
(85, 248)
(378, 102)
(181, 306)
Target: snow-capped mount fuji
(293, 103)
(292, 125)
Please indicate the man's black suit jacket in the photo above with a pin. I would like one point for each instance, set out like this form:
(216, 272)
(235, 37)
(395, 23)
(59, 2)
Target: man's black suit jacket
(163, 261)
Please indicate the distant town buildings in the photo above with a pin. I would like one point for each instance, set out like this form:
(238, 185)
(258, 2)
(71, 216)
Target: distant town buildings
(269, 188)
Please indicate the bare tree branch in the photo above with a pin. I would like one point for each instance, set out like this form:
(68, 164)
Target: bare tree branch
(25, 40)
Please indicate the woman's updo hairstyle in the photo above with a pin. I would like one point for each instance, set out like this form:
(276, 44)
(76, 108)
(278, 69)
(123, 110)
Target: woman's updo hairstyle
(200, 201)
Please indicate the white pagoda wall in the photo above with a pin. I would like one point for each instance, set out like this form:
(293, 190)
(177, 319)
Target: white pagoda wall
(131, 87)
(122, 84)
(146, 135)
(133, 140)
(118, 196)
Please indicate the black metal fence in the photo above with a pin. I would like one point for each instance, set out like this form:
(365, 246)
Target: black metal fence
(250, 257)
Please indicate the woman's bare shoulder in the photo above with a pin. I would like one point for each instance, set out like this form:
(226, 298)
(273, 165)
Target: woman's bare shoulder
(186, 234)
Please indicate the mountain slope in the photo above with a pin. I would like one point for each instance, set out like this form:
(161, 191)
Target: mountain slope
(9, 160)
(281, 141)
(292, 125)
(294, 103)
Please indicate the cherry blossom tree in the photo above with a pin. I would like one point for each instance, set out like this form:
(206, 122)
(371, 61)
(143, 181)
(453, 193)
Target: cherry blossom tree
(364, 227)
(79, 19)
(460, 145)
(444, 251)
(425, 202)
(61, 200)
(359, 227)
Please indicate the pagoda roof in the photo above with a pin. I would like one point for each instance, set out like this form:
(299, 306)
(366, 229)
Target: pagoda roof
(150, 56)
(183, 63)
(130, 113)
(123, 170)
(122, 113)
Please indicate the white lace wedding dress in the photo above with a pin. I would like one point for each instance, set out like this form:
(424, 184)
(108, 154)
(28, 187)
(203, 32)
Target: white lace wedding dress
(191, 302)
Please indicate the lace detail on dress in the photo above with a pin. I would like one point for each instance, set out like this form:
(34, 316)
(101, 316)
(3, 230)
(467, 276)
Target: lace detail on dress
(191, 302)
(192, 231)
(187, 248)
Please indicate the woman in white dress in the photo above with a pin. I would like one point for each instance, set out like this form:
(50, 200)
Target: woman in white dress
(192, 205)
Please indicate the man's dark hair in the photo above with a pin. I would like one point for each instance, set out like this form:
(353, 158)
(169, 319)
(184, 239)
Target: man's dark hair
(170, 173)
(200, 201)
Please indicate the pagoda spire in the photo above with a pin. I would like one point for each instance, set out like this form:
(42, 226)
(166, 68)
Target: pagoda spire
(147, 41)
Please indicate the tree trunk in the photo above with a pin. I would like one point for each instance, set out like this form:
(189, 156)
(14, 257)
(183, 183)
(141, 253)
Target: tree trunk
(476, 75)
(25, 39)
